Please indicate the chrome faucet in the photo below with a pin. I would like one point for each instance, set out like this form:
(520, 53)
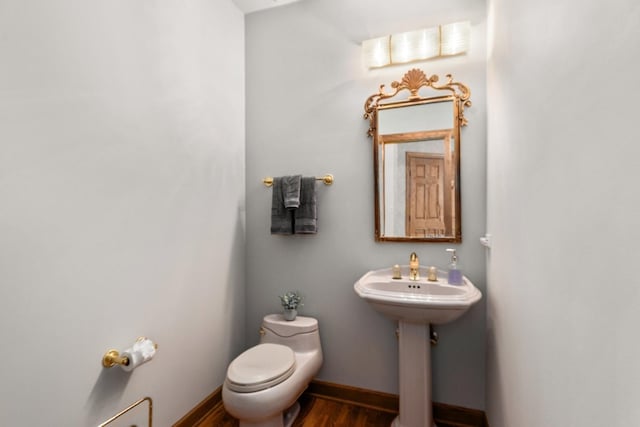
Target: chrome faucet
(414, 267)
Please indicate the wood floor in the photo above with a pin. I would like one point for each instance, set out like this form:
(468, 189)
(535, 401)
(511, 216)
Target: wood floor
(315, 412)
(320, 412)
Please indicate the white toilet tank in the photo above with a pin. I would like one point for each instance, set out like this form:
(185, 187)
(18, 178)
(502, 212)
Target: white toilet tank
(301, 334)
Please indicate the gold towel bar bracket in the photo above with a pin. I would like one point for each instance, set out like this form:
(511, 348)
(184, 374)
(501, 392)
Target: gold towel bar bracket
(326, 179)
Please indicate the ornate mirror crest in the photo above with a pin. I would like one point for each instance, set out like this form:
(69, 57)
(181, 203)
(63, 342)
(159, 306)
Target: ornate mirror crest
(413, 81)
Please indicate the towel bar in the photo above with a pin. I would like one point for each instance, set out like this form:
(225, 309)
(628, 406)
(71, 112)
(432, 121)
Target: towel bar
(133, 405)
(327, 179)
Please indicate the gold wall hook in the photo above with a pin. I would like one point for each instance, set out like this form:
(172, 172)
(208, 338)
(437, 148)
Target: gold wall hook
(112, 358)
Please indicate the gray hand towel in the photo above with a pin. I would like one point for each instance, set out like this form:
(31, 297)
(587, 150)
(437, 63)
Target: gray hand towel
(281, 217)
(305, 217)
(291, 191)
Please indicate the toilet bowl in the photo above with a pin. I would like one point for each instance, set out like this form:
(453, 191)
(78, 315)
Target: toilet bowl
(263, 383)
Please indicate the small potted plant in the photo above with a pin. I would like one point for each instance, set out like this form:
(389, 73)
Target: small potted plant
(290, 302)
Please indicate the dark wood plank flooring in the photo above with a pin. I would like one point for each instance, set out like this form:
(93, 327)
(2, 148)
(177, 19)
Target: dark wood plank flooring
(320, 412)
(315, 412)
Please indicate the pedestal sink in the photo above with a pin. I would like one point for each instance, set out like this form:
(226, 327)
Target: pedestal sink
(415, 305)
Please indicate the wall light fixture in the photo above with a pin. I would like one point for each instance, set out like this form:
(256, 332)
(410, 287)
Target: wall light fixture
(443, 40)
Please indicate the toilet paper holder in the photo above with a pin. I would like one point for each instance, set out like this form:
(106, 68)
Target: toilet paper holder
(112, 357)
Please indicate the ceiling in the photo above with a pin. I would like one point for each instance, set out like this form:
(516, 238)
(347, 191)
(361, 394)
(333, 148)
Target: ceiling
(248, 6)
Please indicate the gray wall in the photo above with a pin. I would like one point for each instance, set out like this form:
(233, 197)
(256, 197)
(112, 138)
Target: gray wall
(306, 87)
(563, 210)
(121, 204)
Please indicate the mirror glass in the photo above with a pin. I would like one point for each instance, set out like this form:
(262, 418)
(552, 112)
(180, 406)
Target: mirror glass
(417, 161)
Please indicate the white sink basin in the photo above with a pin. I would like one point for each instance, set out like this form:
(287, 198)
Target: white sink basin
(415, 304)
(419, 301)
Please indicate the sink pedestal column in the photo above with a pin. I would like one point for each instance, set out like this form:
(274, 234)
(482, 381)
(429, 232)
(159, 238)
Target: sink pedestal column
(415, 376)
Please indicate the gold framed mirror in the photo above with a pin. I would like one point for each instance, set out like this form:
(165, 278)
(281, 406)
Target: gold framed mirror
(416, 158)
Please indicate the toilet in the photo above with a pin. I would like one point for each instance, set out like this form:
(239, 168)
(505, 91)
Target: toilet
(263, 383)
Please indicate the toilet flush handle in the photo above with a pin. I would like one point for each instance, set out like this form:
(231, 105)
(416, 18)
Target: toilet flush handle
(262, 332)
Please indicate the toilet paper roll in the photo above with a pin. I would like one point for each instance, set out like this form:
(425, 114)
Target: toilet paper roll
(141, 352)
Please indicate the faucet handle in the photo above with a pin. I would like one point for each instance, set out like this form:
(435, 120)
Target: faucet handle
(396, 272)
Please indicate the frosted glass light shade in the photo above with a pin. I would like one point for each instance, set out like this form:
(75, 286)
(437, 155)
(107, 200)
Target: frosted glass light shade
(455, 38)
(443, 40)
(376, 52)
(415, 45)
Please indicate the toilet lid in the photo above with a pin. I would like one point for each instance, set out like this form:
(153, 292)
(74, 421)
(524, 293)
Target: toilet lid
(260, 367)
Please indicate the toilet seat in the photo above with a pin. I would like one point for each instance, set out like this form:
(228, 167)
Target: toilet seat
(260, 367)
